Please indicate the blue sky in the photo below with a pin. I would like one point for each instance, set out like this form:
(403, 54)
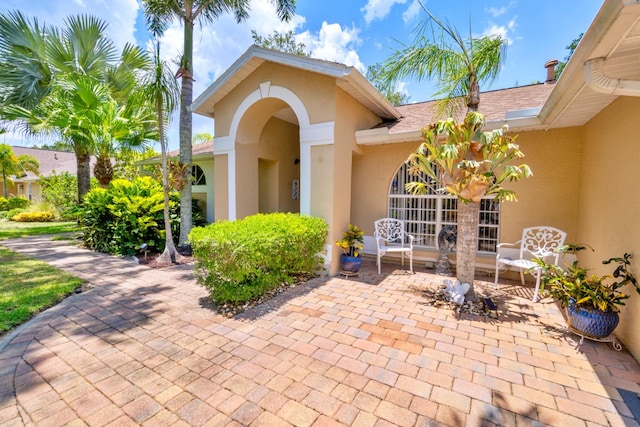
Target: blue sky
(353, 32)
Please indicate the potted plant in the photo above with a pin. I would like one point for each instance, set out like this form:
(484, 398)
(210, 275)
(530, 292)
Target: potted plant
(592, 302)
(351, 243)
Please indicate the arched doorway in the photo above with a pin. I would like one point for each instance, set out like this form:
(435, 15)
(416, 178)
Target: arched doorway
(267, 153)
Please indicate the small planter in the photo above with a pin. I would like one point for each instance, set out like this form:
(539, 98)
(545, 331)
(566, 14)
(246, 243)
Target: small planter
(590, 322)
(350, 264)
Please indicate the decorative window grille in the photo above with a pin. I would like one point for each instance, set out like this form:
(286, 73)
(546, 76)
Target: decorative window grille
(425, 215)
(198, 175)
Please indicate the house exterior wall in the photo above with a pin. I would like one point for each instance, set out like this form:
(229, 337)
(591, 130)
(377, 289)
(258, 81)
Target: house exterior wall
(609, 204)
(350, 117)
(28, 190)
(260, 135)
(315, 91)
(549, 197)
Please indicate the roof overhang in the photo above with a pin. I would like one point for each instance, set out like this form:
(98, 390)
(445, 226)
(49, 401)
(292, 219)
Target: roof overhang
(604, 66)
(347, 78)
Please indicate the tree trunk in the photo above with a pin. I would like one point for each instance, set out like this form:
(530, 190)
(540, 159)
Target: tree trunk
(473, 95)
(103, 170)
(84, 174)
(4, 183)
(467, 242)
(186, 98)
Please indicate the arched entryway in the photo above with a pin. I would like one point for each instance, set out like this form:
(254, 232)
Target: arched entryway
(268, 153)
(268, 159)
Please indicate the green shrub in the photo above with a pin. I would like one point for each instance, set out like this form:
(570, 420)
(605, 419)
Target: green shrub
(18, 203)
(13, 212)
(62, 191)
(245, 259)
(37, 216)
(118, 220)
(13, 203)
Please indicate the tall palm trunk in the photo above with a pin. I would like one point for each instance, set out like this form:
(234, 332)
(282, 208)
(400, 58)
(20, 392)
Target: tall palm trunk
(169, 253)
(467, 242)
(186, 154)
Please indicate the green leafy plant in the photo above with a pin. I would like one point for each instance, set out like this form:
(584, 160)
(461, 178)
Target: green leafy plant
(62, 191)
(17, 203)
(118, 220)
(352, 241)
(573, 283)
(8, 215)
(240, 261)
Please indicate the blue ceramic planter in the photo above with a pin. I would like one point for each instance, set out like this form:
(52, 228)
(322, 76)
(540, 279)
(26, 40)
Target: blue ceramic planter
(592, 322)
(350, 264)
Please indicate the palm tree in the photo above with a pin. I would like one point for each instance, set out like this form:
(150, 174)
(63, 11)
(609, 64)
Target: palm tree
(52, 80)
(162, 88)
(188, 12)
(10, 164)
(459, 64)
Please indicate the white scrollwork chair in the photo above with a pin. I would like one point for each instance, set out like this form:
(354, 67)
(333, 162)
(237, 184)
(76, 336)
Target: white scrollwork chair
(536, 242)
(392, 238)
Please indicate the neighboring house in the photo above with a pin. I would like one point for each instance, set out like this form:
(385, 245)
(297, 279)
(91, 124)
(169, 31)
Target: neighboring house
(52, 162)
(304, 135)
(202, 187)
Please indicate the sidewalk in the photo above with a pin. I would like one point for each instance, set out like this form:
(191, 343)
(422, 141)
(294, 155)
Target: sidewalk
(144, 347)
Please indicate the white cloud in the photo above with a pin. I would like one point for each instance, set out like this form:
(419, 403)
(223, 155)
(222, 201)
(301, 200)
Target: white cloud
(504, 31)
(412, 11)
(497, 11)
(378, 9)
(333, 43)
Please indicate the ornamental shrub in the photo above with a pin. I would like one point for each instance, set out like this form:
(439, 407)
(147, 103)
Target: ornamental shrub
(36, 216)
(118, 220)
(62, 191)
(18, 203)
(239, 261)
(11, 213)
(14, 203)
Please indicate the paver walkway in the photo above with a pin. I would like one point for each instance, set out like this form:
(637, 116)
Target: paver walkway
(144, 347)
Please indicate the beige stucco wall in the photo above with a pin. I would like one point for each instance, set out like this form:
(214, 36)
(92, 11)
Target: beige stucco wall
(351, 116)
(609, 205)
(315, 91)
(549, 197)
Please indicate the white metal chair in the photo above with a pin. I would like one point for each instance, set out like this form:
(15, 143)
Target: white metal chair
(536, 242)
(391, 237)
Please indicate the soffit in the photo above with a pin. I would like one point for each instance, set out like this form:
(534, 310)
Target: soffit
(614, 35)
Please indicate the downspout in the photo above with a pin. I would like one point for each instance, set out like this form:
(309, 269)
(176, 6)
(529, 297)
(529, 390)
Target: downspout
(597, 80)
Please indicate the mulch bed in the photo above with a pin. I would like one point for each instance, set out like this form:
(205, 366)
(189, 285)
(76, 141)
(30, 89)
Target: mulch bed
(151, 261)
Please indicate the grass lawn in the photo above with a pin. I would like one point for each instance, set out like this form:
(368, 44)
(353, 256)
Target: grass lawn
(11, 229)
(29, 286)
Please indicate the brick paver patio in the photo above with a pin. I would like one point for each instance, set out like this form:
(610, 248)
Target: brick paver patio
(144, 347)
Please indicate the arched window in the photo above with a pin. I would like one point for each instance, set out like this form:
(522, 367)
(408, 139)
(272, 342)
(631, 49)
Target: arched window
(198, 175)
(425, 215)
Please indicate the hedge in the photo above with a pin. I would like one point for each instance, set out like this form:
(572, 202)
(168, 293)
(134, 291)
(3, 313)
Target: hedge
(239, 261)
